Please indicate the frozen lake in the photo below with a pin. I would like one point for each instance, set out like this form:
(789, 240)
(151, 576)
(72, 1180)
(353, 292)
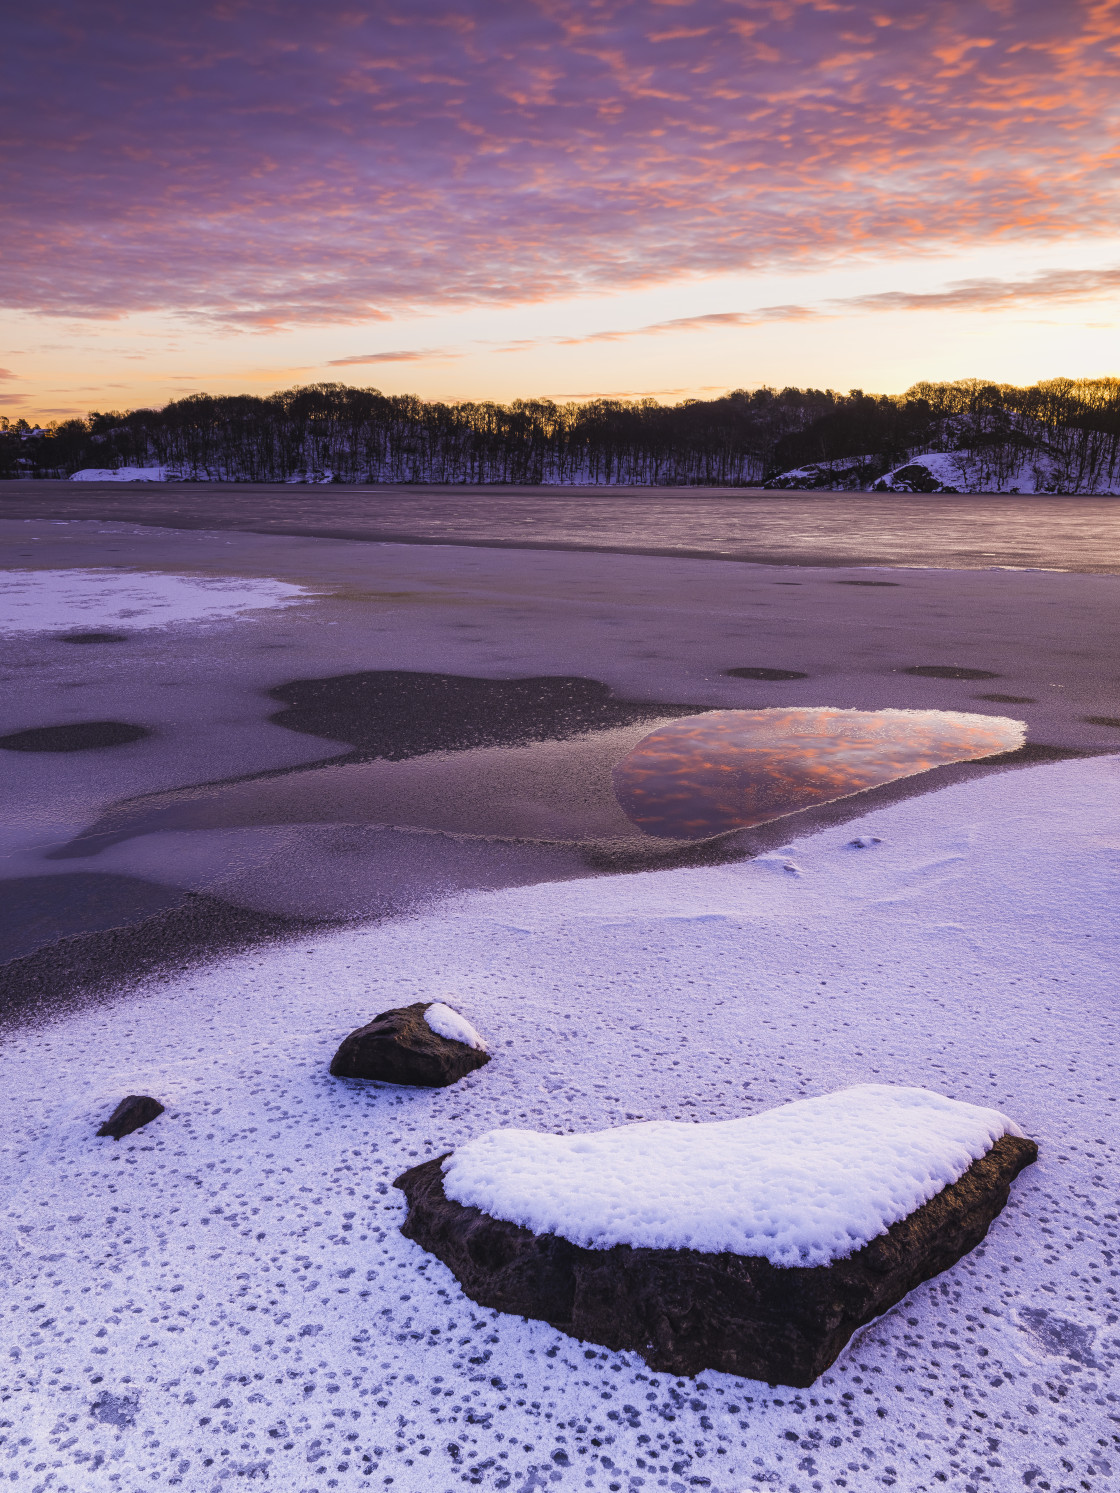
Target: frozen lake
(794, 528)
(259, 786)
(210, 736)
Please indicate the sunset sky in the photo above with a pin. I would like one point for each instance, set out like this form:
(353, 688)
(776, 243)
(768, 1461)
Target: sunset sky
(490, 200)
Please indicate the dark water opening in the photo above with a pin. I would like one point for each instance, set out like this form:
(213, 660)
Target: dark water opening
(1008, 699)
(93, 637)
(395, 714)
(948, 671)
(867, 583)
(81, 736)
(1101, 720)
(37, 910)
(770, 675)
(731, 769)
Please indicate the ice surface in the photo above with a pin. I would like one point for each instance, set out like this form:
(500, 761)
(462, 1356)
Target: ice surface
(803, 1184)
(49, 600)
(446, 1022)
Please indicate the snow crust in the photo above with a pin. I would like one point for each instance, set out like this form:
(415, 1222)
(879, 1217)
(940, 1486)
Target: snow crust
(49, 600)
(446, 1022)
(804, 1184)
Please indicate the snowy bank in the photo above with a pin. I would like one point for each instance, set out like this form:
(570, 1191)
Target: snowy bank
(225, 1295)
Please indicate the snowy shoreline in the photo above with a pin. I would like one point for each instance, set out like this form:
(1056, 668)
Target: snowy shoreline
(226, 1292)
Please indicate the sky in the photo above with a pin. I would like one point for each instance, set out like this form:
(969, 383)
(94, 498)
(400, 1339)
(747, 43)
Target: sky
(621, 198)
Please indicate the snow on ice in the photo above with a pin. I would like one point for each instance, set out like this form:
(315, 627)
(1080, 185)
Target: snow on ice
(225, 1296)
(50, 600)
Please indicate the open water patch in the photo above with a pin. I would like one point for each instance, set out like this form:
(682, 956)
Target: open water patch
(74, 736)
(731, 769)
(691, 777)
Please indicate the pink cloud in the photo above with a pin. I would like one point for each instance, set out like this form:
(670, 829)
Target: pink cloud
(262, 164)
(414, 355)
(1048, 287)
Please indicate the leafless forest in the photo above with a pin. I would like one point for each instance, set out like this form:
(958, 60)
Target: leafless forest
(1064, 431)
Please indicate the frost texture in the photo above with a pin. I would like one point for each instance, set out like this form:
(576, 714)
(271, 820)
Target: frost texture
(804, 1184)
(448, 1023)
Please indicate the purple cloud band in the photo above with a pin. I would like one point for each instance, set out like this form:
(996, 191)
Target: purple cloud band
(269, 162)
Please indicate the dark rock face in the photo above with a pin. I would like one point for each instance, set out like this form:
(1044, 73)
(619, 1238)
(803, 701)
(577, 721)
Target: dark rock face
(130, 1114)
(916, 477)
(400, 1047)
(684, 1311)
(82, 736)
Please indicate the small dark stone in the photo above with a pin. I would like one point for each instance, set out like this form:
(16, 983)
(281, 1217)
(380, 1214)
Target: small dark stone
(130, 1114)
(81, 736)
(948, 671)
(684, 1311)
(1008, 699)
(869, 583)
(1101, 720)
(768, 674)
(400, 1047)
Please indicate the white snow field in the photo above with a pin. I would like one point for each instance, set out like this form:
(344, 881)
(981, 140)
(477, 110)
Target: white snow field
(224, 1298)
(445, 1021)
(802, 1184)
(50, 600)
(126, 474)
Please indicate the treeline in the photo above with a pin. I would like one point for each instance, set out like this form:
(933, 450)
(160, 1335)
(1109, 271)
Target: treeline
(331, 432)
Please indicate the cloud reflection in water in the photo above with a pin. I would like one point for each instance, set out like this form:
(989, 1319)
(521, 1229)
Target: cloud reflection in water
(729, 769)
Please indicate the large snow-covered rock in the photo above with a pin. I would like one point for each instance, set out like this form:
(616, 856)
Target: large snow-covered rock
(426, 1045)
(754, 1246)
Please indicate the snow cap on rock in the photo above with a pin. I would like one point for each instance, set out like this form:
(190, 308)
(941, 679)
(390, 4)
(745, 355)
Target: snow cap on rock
(804, 1184)
(446, 1022)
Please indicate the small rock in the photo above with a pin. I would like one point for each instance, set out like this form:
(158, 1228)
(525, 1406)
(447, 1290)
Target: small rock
(400, 1046)
(130, 1114)
(685, 1311)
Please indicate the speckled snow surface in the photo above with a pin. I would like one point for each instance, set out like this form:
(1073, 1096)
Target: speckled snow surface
(801, 1184)
(49, 600)
(445, 1021)
(224, 1299)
